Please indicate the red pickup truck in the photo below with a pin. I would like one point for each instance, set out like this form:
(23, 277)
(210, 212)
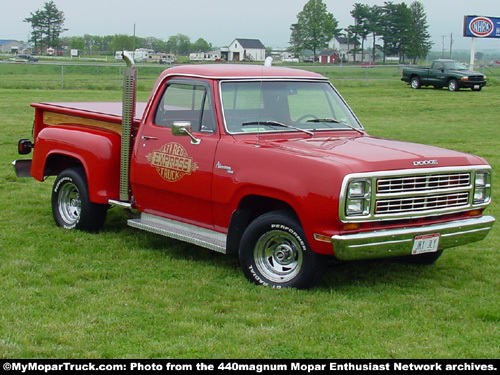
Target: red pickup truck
(265, 162)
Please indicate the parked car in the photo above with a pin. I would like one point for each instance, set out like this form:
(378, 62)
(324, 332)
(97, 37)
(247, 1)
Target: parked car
(23, 58)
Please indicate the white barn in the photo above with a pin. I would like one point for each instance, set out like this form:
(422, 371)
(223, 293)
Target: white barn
(246, 50)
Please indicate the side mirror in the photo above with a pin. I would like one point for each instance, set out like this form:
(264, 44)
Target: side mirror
(180, 128)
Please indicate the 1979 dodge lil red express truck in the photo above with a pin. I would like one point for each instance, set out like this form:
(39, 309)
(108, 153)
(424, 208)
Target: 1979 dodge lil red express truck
(265, 162)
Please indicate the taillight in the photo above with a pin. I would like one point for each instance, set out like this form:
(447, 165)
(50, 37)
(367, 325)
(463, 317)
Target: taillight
(24, 146)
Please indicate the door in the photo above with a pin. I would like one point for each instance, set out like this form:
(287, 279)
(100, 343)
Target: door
(171, 176)
(436, 74)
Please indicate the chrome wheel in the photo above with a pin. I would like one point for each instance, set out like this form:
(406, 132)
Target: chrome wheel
(274, 252)
(415, 83)
(69, 203)
(71, 206)
(453, 85)
(278, 256)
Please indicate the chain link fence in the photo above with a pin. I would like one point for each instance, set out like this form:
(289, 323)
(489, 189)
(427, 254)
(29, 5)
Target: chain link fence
(109, 76)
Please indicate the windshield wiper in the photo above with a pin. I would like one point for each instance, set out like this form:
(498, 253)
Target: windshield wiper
(276, 123)
(333, 121)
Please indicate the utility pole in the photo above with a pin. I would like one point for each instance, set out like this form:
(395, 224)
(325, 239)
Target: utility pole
(451, 45)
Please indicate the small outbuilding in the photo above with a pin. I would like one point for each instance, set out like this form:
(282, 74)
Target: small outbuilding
(328, 57)
(246, 50)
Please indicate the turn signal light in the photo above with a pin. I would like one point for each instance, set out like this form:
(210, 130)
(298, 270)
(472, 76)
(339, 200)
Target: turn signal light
(352, 226)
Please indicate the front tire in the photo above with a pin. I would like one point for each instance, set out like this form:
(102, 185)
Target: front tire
(274, 252)
(453, 85)
(71, 206)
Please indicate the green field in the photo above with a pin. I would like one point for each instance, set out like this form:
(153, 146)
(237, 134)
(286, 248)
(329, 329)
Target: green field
(123, 293)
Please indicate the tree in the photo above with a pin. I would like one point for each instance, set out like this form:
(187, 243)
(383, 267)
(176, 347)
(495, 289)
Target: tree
(361, 15)
(420, 37)
(179, 44)
(403, 29)
(395, 30)
(375, 25)
(201, 45)
(47, 26)
(122, 42)
(314, 27)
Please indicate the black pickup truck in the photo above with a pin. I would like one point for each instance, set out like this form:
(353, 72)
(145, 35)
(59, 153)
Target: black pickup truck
(444, 73)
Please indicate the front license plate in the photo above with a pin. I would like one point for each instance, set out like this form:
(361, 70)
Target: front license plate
(476, 87)
(426, 243)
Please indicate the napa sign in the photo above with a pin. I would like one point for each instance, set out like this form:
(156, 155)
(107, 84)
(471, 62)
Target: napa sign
(481, 27)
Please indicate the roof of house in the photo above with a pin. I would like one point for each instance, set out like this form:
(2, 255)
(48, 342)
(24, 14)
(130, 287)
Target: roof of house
(344, 40)
(251, 43)
(5, 41)
(327, 52)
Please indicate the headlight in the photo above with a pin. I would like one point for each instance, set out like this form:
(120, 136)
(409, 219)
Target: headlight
(482, 187)
(358, 198)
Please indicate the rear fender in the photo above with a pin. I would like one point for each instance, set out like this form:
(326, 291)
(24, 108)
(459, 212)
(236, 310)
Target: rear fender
(98, 152)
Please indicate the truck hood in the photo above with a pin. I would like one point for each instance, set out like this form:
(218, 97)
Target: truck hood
(466, 72)
(366, 153)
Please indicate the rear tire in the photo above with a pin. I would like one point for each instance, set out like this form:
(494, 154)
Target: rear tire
(274, 252)
(415, 83)
(71, 206)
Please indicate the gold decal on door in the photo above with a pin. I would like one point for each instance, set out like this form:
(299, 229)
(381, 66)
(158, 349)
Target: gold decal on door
(172, 162)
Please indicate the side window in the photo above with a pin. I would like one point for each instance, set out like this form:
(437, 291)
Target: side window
(186, 102)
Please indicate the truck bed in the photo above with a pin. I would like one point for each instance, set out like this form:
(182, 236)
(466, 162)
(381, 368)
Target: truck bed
(88, 112)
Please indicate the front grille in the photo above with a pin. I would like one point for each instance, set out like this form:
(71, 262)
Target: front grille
(423, 203)
(409, 184)
(414, 194)
(476, 78)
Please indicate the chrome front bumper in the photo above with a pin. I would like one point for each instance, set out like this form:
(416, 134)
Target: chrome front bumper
(398, 242)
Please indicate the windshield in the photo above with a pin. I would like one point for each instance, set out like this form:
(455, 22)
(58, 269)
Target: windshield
(455, 65)
(279, 106)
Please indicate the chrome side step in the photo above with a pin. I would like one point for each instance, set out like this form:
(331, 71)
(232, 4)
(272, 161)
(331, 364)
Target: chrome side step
(181, 231)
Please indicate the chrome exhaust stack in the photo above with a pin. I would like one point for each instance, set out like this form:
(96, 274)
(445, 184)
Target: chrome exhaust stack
(128, 114)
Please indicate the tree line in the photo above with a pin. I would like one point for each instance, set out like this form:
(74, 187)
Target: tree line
(396, 29)
(47, 25)
(177, 44)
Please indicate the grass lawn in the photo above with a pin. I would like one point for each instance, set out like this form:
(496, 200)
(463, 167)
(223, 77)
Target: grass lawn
(123, 293)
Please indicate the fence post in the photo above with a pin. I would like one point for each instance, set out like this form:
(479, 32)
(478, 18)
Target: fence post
(62, 76)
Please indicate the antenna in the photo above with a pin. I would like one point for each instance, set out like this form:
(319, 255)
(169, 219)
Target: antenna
(268, 63)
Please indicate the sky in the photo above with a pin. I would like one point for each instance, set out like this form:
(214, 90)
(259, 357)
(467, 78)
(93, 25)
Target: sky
(221, 21)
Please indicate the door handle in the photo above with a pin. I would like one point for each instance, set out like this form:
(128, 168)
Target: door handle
(147, 138)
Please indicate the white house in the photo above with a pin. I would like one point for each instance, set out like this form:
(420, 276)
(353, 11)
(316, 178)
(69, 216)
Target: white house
(246, 50)
(344, 47)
